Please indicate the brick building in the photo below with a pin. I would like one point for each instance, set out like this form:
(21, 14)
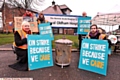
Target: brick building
(8, 13)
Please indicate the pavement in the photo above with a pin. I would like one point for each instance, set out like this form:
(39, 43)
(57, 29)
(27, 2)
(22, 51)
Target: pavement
(55, 72)
(8, 47)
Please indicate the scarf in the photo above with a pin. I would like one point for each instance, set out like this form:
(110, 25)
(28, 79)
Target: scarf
(27, 32)
(94, 34)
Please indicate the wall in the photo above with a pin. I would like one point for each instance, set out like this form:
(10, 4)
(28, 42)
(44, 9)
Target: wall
(8, 17)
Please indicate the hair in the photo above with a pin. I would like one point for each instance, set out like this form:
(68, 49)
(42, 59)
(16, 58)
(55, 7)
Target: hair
(25, 23)
(40, 13)
(94, 25)
(39, 18)
(103, 31)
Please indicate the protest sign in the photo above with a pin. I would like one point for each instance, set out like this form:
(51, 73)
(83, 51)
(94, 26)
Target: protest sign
(33, 24)
(94, 55)
(83, 25)
(39, 52)
(33, 27)
(28, 19)
(18, 22)
(45, 29)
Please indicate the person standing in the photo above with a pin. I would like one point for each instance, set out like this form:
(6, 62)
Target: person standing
(41, 19)
(28, 14)
(84, 14)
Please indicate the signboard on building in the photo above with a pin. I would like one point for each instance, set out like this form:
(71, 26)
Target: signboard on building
(64, 21)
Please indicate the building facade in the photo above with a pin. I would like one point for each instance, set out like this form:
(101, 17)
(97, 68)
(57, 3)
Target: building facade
(58, 15)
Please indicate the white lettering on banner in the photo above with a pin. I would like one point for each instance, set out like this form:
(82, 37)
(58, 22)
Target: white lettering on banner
(41, 28)
(84, 21)
(85, 45)
(84, 26)
(34, 58)
(48, 27)
(99, 47)
(63, 21)
(36, 50)
(85, 61)
(45, 28)
(93, 54)
(42, 42)
(81, 30)
(46, 32)
(31, 42)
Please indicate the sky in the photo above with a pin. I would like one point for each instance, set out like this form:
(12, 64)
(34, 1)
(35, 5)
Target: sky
(91, 7)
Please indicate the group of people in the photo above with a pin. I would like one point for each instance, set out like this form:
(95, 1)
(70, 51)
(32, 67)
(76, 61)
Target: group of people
(20, 42)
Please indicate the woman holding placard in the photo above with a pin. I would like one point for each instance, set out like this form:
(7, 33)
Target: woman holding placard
(41, 19)
(21, 47)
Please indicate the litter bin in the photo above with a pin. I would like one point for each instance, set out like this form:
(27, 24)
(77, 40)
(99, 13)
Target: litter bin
(63, 52)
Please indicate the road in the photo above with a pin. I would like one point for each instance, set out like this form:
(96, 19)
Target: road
(71, 72)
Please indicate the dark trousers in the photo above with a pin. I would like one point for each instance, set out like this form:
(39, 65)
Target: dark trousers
(80, 41)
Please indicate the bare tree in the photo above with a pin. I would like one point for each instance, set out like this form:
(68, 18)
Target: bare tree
(26, 4)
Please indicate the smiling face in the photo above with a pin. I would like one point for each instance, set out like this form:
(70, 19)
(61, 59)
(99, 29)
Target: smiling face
(25, 26)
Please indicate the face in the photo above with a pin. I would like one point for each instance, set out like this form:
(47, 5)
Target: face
(41, 15)
(28, 12)
(93, 29)
(26, 27)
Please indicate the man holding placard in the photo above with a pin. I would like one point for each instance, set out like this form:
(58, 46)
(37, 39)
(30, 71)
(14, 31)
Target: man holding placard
(94, 33)
(94, 52)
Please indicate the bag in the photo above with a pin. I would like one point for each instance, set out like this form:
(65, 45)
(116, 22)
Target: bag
(14, 48)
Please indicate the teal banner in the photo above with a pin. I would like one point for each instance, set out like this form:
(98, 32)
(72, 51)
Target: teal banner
(45, 29)
(39, 51)
(94, 56)
(83, 25)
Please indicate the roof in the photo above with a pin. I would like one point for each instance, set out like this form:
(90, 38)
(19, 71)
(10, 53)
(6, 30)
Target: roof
(55, 9)
(109, 19)
(52, 10)
(64, 7)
